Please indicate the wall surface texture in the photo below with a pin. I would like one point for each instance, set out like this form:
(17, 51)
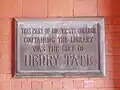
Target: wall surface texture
(10, 9)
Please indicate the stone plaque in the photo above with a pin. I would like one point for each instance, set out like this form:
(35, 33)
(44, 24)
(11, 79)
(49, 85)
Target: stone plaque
(59, 47)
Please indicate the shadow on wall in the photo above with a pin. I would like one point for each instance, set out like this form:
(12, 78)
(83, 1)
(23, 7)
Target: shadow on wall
(13, 48)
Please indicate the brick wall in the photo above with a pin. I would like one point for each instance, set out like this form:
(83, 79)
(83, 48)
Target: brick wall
(110, 9)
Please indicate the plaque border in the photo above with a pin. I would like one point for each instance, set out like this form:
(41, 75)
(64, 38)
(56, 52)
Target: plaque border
(89, 73)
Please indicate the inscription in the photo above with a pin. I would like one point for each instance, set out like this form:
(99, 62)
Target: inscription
(40, 60)
(52, 60)
(56, 36)
(80, 60)
(84, 29)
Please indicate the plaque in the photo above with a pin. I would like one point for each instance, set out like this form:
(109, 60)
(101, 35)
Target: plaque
(59, 47)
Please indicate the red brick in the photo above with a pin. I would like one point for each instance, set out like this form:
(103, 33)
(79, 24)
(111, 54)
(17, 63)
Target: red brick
(5, 63)
(5, 30)
(5, 85)
(68, 84)
(113, 43)
(37, 79)
(89, 84)
(113, 51)
(26, 85)
(2, 77)
(106, 28)
(113, 67)
(115, 7)
(57, 84)
(108, 20)
(115, 59)
(61, 8)
(109, 83)
(113, 35)
(20, 79)
(104, 8)
(79, 78)
(116, 20)
(107, 37)
(10, 9)
(117, 83)
(115, 75)
(5, 46)
(36, 85)
(114, 28)
(85, 7)
(16, 85)
(99, 83)
(8, 77)
(108, 89)
(5, 39)
(88, 89)
(78, 83)
(35, 8)
(109, 59)
(99, 78)
(6, 49)
(109, 66)
(47, 84)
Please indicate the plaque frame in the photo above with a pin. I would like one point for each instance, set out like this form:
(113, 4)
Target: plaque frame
(91, 73)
